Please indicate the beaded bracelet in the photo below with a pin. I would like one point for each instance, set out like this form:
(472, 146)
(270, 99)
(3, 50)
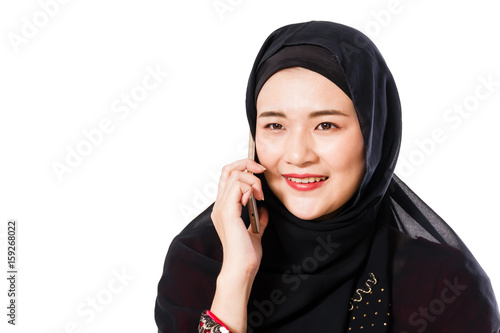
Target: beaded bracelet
(209, 323)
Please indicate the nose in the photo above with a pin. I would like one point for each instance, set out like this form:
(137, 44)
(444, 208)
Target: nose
(299, 149)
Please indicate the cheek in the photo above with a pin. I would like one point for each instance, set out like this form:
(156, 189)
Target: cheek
(268, 151)
(346, 155)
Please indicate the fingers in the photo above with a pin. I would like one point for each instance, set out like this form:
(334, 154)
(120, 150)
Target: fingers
(235, 188)
(241, 166)
(240, 185)
(244, 164)
(263, 218)
(241, 247)
(246, 196)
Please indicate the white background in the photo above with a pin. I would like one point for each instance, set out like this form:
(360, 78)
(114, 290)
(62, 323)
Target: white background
(117, 211)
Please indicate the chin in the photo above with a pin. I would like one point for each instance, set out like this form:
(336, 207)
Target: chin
(305, 211)
(307, 217)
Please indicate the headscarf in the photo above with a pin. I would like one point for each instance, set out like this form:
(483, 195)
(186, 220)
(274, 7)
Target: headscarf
(331, 275)
(325, 294)
(354, 242)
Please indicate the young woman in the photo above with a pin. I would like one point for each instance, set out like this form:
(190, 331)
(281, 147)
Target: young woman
(344, 245)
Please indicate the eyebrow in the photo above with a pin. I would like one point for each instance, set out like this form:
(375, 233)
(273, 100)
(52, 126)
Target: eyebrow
(313, 114)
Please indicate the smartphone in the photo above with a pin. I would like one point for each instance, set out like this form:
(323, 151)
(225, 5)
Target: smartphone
(253, 212)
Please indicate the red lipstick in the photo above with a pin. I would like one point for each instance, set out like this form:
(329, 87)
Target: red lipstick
(295, 181)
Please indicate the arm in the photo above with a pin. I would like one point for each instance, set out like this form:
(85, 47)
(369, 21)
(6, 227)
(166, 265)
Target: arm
(242, 249)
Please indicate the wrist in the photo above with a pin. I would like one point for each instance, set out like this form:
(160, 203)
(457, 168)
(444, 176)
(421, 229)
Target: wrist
(231, 298)
(237, 274)
(236, 285)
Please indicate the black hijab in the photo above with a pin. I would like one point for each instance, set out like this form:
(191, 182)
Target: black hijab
(333, 275)
(354, 242)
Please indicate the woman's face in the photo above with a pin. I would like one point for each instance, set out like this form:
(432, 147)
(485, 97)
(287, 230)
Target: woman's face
(308, 137)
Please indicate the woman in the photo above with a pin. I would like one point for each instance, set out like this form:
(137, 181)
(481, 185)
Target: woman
(344, 245)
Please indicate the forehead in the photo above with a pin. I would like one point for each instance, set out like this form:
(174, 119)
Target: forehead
(299, 89)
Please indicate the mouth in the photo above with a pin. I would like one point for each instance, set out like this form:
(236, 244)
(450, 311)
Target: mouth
(305, 182)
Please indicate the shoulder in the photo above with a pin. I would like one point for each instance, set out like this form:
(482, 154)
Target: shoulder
(439, 287)
(199, 236)
(194, 248)
(412, 254)
(190, 271)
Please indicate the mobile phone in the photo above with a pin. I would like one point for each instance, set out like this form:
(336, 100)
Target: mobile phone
(253, 212)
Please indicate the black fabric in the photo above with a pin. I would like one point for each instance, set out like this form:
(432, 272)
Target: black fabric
(315, 58)
(421, 271)
(289, 243)
(362, 270)
(315, 267)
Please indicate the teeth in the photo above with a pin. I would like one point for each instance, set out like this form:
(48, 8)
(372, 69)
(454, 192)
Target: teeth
(306, 180)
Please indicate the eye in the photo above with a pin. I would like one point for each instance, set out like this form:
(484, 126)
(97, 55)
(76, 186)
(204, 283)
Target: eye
(274, 126)
(326, 126)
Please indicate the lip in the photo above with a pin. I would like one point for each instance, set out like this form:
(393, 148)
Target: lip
(304, 187)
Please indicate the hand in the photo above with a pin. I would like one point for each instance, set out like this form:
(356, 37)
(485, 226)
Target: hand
(242, 248)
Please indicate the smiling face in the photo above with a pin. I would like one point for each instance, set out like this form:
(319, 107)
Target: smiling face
(308, 137)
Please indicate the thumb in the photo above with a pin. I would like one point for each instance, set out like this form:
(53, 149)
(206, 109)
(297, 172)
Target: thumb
(263, 219)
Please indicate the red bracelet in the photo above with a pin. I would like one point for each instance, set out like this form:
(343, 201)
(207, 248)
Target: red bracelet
(209, 323)
(214, 317)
